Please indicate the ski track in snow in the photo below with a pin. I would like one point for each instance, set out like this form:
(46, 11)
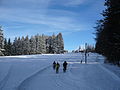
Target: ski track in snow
(58, 80)
(23, 83)
(86, 85)
(5, 79)
(114, 76)
(68, 81)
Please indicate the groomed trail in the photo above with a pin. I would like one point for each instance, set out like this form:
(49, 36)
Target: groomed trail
(78, 77)
(6, 77)
(37, 73)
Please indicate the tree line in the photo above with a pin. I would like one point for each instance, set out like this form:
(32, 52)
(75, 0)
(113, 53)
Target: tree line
(108, 32)
(38, 44)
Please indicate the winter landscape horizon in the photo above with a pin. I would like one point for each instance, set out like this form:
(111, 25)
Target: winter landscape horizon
(60, 45)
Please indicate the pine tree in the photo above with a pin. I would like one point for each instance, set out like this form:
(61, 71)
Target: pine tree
(60, 43)
(37, 41)
(54, 44)
(49, 45)
(19, 46)
(23, 45)
(43, 44)
(40, 42)
(32, 45)
(26, 46)
(1, 42)
(5, 47)
(37, 44)
(9, 47)
(108, 32)
(14, 47)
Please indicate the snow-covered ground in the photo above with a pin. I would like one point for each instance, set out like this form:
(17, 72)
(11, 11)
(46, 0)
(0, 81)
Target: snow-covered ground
(35, 72)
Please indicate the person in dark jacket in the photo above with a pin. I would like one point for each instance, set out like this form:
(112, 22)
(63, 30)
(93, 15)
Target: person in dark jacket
(81, 61)
(54, 65)
(64, 66)
(57, 67)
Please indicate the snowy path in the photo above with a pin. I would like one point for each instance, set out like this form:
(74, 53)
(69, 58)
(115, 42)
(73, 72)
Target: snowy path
(94, 77)
(36, 73)
(78, 77)
(47, 79)
(6, 77)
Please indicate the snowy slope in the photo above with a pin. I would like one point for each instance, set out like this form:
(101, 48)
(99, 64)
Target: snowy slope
(35, 72)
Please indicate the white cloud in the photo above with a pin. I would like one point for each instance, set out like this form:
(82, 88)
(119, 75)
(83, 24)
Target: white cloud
(40, 17)
(69, 3)
(25, 3)
(74, 2)
(37, 12)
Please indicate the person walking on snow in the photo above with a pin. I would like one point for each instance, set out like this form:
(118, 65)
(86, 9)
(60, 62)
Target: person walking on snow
(57, 67)
(81, 61)
(64, 66)
(54, 65)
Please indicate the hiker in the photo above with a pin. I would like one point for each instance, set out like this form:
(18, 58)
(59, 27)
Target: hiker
(54, 65)
(57, 67)
(64, 66)
(81, 61)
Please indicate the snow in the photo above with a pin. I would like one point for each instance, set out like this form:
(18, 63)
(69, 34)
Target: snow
(35, 72)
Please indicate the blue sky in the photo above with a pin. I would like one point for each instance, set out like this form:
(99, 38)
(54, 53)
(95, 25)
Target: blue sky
(75, 19)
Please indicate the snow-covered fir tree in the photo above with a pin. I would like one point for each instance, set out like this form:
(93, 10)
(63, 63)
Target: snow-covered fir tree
(14, 47)
(48, 45)
(26, 46)
(23, 45)
(1, 42)
(37, 44)
(60, 43)
(19, 47)
(9, 47)
(54, 44)
(43, 44)
(32, 45)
